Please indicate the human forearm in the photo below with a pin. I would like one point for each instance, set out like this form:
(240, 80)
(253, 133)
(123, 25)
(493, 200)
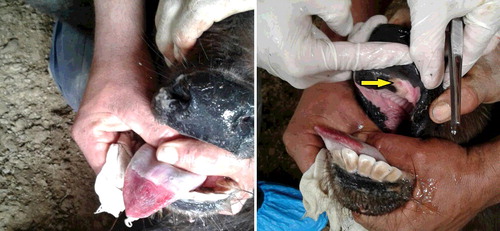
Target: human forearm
(120, 56)
(119, 29)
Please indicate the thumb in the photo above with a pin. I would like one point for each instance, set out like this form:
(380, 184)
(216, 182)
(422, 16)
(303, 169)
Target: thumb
(362, 31)
(481, 85)
(200, 157)
(390, 145)
(165, 16)
(142, 121)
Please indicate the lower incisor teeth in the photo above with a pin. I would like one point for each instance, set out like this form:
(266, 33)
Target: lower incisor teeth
(380, 170)
(365, 165)
(350, 159)
(394, 175)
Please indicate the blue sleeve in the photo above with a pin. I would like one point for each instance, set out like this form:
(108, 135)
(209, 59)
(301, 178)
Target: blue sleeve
(280, 208)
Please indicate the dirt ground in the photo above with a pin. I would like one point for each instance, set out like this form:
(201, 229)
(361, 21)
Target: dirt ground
(279, 100)
(45, 182)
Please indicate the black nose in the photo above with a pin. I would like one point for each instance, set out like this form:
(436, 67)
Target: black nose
(212, 106)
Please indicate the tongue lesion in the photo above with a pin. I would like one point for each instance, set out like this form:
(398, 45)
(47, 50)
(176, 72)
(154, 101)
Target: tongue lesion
(397, 106)
(335, 140)
(151, 185)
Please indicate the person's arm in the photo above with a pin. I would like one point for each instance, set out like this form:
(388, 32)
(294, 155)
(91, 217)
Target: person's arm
(119, 42)
(117, 96)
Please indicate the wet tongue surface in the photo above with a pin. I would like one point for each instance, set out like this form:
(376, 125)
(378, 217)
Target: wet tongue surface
(396, 106)
(151, 185)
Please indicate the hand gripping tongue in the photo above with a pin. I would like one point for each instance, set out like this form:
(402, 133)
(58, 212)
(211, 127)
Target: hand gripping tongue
(335, 140)
(151, 185)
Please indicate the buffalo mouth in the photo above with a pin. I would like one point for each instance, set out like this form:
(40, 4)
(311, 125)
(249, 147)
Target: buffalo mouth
(359, 178)
(151, 185)
(401, 107)
(389, 106)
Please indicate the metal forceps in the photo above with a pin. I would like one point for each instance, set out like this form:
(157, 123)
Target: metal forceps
(455, 49)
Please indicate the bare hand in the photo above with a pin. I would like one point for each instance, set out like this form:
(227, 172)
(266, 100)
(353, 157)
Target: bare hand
(206, 159)
(330, 105)
(114, 105)
(481, 85)
(451, 184)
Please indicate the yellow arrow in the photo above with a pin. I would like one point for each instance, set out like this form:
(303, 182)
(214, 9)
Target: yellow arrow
(378, 83)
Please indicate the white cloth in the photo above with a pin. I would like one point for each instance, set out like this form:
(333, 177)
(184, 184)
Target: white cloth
(109, 182)
(317, 202)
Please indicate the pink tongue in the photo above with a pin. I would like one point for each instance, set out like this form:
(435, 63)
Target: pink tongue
(335, 139)
(151, 185)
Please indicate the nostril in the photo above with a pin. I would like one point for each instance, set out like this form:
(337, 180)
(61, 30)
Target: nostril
(180, 91)
(245, 119)
(245, 124)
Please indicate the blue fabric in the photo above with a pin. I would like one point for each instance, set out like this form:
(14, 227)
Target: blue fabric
(282, 209)
(69, 61)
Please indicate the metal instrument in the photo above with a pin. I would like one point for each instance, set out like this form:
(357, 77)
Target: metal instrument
(455, 51)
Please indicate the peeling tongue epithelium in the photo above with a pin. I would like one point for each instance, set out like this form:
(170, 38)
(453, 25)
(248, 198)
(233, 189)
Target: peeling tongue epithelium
(151, 185)
(335, 140)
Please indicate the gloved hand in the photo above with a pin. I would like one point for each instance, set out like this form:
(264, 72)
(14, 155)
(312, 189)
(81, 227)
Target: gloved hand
(180, 22)
(429, 19)
(292, 48)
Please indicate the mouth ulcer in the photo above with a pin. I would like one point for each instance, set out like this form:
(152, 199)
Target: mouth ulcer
(396, 105)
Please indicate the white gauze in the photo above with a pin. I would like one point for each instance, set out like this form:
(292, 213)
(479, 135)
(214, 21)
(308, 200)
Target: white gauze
(316, 201)
(109, 182)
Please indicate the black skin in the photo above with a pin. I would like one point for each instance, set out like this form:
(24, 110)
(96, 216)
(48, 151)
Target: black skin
(364, 195)
(419, 120)
(210, 96)
(418, 123)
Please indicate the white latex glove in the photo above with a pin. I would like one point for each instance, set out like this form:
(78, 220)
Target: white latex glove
(180, 22)
(291, 47)
(362, 31)
(429, 19)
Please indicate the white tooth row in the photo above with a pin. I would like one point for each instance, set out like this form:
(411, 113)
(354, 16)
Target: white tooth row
(366, 166)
